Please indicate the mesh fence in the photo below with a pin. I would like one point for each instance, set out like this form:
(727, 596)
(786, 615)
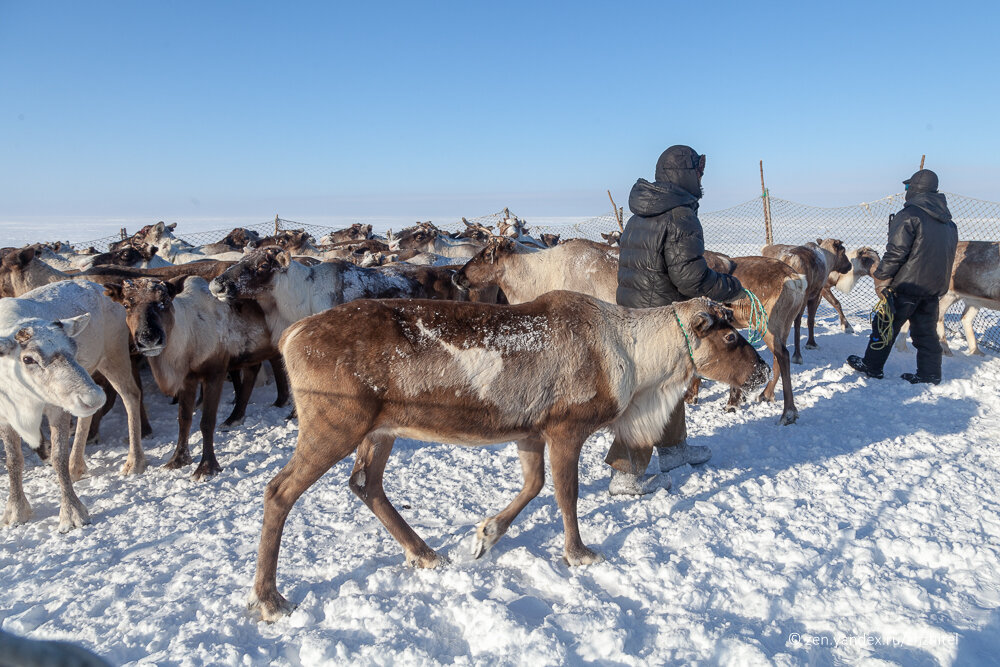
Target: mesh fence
(739, 231)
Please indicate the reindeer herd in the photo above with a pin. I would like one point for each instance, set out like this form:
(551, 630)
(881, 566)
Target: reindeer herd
(474, 338)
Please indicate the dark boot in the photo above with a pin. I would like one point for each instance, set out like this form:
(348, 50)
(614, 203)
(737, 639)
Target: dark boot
(914, 378)
(858, 364)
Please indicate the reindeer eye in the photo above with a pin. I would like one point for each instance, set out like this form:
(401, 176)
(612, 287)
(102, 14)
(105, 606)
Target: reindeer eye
(730, 338)
(28, 361)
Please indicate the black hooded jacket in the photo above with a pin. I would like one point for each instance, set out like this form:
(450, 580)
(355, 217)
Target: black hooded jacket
(921, 248)
(662, 246)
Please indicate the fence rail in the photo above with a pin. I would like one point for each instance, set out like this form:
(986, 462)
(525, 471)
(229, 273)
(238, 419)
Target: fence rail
(739, 231)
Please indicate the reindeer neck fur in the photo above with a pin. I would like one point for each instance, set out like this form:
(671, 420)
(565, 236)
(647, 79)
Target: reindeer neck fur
(846, 281)
(655, 372)
(301, 291)
(200, 322)
(24, 411)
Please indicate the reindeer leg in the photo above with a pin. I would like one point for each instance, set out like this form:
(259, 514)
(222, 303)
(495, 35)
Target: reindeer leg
(77, 462)
(280, 381)
(797, 357)
(211, 393)
(968, 317)
(146, 427)
(124, 380)
(828, 295)
(72, 513)
(532, 454)
(564, 456)
(944, 304)
(243, 392)
(185, 410)
(789, 413)
(366, 483)
(735, 398)
(94, 431)
(691, 396)
(18, 510)
(812, 307)
(313, 456)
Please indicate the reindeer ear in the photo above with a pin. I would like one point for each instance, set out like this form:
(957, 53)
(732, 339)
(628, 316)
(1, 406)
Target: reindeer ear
(175, 285)
(702, 322)
(114, 290)
(819, 241)
(160, 226)
(22, 257)
(172, 226)
(284, 258)
(7, 345)
(74, 326)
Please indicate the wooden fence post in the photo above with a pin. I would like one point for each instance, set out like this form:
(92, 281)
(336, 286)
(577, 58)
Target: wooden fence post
(618, 212)
(768, 234)
(922, 161)
(277, 228)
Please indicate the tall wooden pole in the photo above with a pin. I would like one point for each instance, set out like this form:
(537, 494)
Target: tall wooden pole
(276, 229)
(618, 213)
(922, 161)
(768, 235)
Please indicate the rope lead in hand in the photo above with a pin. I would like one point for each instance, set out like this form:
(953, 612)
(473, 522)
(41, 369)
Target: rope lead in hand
(881, 318)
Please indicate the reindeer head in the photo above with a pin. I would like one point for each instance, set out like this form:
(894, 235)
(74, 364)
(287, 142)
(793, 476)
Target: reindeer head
(39, 358)
(720, 352)
(253, 275)
(486, 266)
(19, 271)
(841, 264)
(148, 310)
(612, 238)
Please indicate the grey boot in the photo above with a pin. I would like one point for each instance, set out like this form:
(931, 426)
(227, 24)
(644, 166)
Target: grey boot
(627, 484)
(678, 455)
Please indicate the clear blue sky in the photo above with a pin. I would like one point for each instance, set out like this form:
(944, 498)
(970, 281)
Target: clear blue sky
(180, 110)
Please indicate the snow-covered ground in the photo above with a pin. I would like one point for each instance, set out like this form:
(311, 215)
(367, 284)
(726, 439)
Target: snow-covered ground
(868, 530)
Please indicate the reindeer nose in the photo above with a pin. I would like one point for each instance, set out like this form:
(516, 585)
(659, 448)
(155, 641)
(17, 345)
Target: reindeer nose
(222, 289)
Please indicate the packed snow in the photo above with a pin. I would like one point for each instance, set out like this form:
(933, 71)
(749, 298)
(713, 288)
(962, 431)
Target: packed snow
(867, 530)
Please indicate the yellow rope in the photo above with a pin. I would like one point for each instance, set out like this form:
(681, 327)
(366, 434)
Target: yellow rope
(881, 319)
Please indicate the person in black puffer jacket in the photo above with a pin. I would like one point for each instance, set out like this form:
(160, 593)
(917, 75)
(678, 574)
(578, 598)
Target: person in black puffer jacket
(661, 262)
(917, 263)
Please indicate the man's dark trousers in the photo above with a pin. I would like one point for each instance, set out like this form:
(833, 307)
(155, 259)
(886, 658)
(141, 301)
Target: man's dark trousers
(922, 312)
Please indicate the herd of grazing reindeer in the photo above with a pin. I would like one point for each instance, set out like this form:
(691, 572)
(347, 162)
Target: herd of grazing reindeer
(474, 338)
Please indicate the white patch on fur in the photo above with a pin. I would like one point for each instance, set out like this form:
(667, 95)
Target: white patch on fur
(481, 366)
(647, 415)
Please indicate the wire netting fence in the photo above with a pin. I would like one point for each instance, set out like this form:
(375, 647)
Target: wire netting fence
(740, 231)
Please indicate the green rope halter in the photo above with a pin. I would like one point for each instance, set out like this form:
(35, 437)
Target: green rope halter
(757, 323)
(686, 339)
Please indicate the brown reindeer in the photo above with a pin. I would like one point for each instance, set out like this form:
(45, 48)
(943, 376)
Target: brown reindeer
(356, 232)
(234, 241)
(549, 372)
(815, 261)
(192, 339)
(781, 291)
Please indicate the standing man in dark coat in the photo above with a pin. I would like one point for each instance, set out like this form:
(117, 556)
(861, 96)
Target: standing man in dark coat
(661, 262)
(917, 263)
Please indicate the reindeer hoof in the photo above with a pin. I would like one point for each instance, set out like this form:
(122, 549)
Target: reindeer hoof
(729, 408)
(765, 398)
(976, 352)
(425, 559)
(582, 556)
(76, 474)
(178, 461)
(206, 469)
(848, 329)
(811, 346)
(789, 417)
(229, 425)
(487, 534)
(73, 515)
(145, 431)
(271, 608)
(796, 358)
(16, 513)
(136, 467)
(691, 400)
